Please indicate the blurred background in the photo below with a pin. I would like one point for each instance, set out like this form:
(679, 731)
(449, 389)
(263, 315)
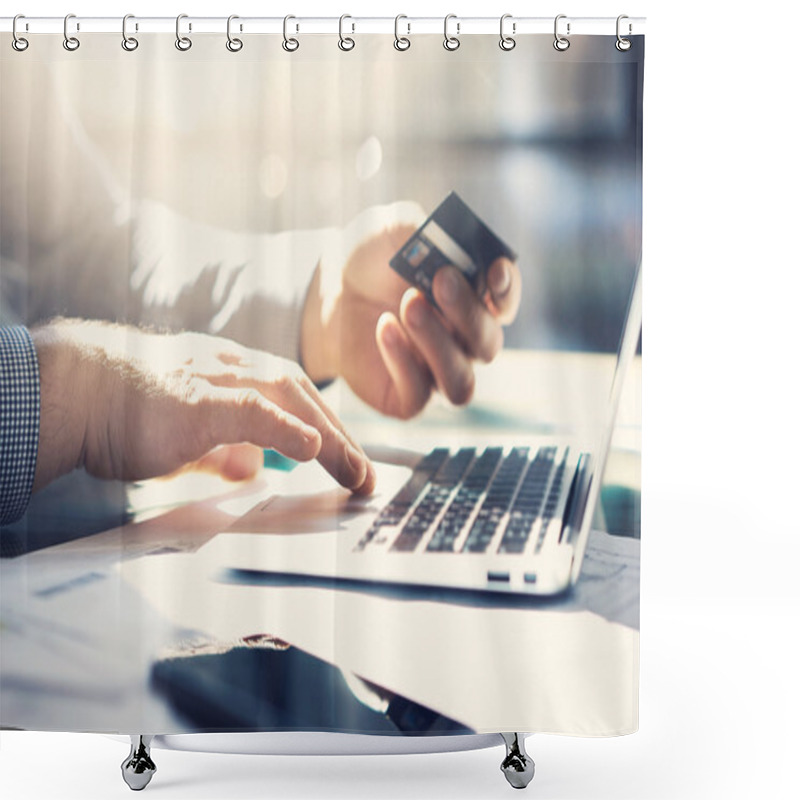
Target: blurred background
(544, 146)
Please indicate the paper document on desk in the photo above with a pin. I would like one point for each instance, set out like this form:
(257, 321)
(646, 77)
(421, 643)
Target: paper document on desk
(30, 645)
(426, 650)
(66, 635)
(57, 675)
(609, 582)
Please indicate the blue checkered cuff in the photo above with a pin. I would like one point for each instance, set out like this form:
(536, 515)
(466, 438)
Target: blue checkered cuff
(19, 421)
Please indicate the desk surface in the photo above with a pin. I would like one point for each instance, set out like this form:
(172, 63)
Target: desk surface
(83, 622)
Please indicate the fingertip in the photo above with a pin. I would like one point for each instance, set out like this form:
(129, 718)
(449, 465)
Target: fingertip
(505, 289)
(367, 486)
(414, 309)
(242, 462)
(411, 296)
(500, 277)
(386, 331)
(311, 443)
(357, 463)
(462, 392)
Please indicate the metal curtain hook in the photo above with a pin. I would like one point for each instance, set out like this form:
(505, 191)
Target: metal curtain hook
(129, 43)
(622, 44)
(451, 42)
(181, 42)
(290, 45)
(70, 42)
(401, 42)
(560, 43)
(507, 42)
(233, 44)
(346, 42)
(18, 42)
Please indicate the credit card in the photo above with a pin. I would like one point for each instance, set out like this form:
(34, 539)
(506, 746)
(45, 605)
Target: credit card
(452, 234)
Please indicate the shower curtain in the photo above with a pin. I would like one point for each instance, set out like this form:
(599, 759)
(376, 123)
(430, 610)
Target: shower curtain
(253, 289)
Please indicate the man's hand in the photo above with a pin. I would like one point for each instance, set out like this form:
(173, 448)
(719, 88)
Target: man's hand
(364, 323)
(128, 404)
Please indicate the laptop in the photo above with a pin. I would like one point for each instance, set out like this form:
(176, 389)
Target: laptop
(508, 519)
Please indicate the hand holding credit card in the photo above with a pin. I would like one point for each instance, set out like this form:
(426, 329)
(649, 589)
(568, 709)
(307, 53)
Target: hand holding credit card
(452, 234)
(405, 302)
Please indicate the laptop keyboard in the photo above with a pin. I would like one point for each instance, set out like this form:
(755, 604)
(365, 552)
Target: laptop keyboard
(464, 500)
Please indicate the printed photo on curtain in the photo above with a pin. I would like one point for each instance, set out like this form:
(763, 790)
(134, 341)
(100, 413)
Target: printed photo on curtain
(320, 383)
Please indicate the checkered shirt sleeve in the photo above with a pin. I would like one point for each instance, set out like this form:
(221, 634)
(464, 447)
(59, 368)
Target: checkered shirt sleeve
(19, 420)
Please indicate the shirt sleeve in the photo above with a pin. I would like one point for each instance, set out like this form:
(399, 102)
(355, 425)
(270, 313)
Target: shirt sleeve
(85, 244)
(19, 420)
(250, 287)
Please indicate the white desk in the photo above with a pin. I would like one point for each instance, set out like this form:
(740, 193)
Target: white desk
(82, 622)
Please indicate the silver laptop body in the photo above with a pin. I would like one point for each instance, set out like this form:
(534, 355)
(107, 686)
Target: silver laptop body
(500, 519)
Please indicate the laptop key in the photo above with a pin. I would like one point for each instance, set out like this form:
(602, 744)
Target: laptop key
(435, 498)
(525, 509)
(497, 501)
(462, 506)
(397, 508)
(552, 501)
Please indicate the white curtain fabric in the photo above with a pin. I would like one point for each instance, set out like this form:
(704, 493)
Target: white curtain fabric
(225, 194)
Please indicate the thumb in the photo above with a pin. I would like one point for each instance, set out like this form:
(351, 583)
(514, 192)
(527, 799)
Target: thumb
(234, 462)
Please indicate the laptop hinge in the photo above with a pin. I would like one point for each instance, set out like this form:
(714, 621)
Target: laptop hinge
(576, 499)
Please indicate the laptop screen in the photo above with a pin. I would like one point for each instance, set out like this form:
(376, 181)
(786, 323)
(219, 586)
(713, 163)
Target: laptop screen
(629, 341)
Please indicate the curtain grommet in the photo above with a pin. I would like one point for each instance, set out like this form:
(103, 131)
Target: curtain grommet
(234, 44)
(71, 43)
(183, 43)
(129, 43)
(19, 43)
(401, 43)
(561, 43)
(290, 44)
(507, 42)
(346, 43)
(622, 44)
(451, 43)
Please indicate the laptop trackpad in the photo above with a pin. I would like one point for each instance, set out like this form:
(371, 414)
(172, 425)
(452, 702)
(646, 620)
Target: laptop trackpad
(334, 509)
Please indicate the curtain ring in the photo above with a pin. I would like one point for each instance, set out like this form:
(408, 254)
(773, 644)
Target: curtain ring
(182, 42)
(401, 42)
(451, 42)
(561, 43)
(289, 45)
(18, 43)
(622, 44)
(70, 42)
(233, 44)
(507, 42)
(346, 42)
(129, 43)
